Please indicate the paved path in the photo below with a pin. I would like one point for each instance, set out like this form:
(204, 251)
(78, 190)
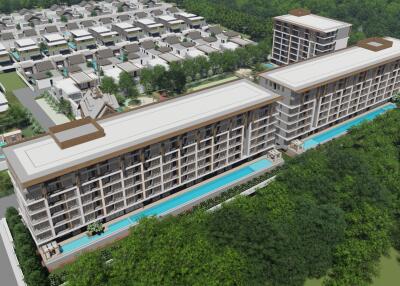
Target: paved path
(6, 273)
(27, 98)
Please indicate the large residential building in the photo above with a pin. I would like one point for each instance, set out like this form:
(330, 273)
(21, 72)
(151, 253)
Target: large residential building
(323, 91)
(300, 35)
(86, 170)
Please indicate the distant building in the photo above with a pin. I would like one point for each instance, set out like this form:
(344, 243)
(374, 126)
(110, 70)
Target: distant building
(300, 35)
(96, 104)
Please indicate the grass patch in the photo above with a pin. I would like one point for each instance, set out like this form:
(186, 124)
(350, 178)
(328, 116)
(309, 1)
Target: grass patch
(6, 187)
(11, 81)
(210, 82)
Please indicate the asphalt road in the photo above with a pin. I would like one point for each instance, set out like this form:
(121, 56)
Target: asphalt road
(27, 98)
(6, 274)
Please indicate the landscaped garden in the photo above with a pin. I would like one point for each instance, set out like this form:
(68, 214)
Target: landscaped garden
(16, 116)
(6, 187)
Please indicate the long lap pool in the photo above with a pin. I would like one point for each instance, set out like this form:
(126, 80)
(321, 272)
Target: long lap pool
(341, 129)
(173, 203)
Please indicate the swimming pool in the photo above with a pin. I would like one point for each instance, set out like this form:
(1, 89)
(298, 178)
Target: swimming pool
(343, 128)
(172, 204)
(270, 65)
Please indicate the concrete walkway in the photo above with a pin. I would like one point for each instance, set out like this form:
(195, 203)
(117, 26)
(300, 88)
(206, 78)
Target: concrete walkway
(27, 98)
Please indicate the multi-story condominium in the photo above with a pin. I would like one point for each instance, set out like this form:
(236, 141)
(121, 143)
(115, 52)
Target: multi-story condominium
(323, 91)
(300, 35)
(26, 49)
(82, 39)
(127, 31)
(56, 44)
(86, 170)
(105, 36)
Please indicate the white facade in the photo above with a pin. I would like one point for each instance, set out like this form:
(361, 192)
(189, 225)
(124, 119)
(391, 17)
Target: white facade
(299, 36)
(324, 91)
(211, 137)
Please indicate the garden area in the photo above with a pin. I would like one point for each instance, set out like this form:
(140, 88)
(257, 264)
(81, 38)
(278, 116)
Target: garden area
(16, 116)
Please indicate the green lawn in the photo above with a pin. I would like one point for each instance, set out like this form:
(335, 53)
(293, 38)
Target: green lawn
(11, 81)
(212, 82)
(6, 187)
(389, 272)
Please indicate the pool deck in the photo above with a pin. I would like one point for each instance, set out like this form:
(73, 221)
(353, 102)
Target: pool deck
(342, 123)
(65, 258)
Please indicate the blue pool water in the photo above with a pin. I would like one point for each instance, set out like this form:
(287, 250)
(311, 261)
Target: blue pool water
(270, 65)
(72, 45)
(342, 129)
(15, 54)
(172, 203)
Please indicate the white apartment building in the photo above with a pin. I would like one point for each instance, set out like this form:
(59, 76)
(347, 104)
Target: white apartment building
(301, 35)
(323, 91)
(86, 171)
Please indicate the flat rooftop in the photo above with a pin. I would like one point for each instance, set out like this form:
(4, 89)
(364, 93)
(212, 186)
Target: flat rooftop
(327, 68)
(42, 158)
(314, 22)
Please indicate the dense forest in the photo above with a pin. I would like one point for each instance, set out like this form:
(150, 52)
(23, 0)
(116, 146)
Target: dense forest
(332, 212)
(253, 17)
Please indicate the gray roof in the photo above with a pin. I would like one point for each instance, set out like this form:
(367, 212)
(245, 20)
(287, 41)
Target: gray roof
(133, 56)
(169, 58)
(128, 67)
(76, 59)
(148, 45)
(124, 17)
(74, 68)
(44, 66)
(94, 102)
(87, 23)
(188, 44)
(194, 35)
(40, 75)
(104, 62)
(106, 20)
(173, 9)
(209, 39)
(141, 15)
(157, 12)
(164, 49)
(215, 30)
(51, 29)
(29, 32)
(231, 34)
(132, 48)
(72, 26)
(104, 54)
(172, 40)
(7, 36)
